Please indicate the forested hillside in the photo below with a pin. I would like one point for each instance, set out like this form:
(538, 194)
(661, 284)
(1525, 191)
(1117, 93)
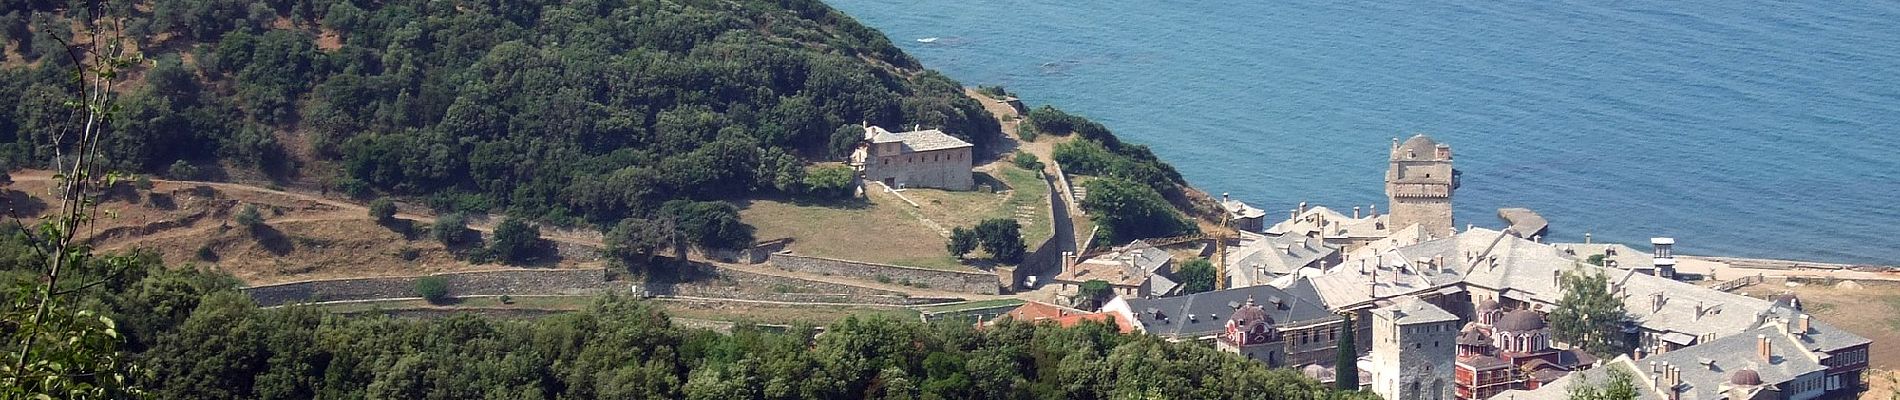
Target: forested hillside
(193, 336)
(564, 111)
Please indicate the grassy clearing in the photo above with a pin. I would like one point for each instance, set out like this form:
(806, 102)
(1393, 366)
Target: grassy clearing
(970, 305)
(1027, 201)
(877, 230)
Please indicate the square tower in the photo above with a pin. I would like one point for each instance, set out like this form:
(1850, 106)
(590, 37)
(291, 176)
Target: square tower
(1413, 350)
(1419, 184)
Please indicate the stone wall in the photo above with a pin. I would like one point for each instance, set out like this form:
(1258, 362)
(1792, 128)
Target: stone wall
(955, 281)
(500, 282)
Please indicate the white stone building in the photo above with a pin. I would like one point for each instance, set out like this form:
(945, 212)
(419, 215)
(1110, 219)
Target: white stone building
(918, 158)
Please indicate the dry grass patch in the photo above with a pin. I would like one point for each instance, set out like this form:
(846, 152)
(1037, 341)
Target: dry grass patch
(876, 231)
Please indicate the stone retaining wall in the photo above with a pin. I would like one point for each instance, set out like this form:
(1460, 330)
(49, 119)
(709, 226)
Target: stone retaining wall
(511, 282)
(955, 281)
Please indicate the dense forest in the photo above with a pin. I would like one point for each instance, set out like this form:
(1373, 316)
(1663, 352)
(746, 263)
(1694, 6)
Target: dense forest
(193, 336)
(567, 112)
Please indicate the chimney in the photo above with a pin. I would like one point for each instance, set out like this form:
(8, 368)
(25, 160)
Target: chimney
(1286, 248)
(1223, 197)
(1656, 302)
(1439, 262)
(1537, 238)
(1302, 207)
(1293, 214)
(1698, 310)
(1586, 238)
(1804, 324)
(1764, 350)
(1444, 152)
(1556, 277)
(1355, 212)
(1068, 260)
(1375, 210)
(1675, 380)
(1395, 143)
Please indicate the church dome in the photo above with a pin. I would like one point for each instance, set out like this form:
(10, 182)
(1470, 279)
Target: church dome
(1745, 377)
(1487, 305)
(1521, 321)
(1252, 314)
(1474, 337)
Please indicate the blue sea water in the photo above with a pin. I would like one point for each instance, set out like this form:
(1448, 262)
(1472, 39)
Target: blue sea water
(1739, 127)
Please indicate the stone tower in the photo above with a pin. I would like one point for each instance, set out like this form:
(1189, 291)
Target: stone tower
(1413, 348)
(1419, 184)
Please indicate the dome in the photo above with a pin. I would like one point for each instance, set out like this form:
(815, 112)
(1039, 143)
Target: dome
(1252, 314)
(1487, 305)
(1745, 377)
(1419, 147)
(1521, 321)
(1474, 337)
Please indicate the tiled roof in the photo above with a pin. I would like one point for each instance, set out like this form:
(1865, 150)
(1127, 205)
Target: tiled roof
(917, 141)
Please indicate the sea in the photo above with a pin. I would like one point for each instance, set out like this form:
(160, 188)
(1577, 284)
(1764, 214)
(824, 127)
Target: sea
(1743, 128)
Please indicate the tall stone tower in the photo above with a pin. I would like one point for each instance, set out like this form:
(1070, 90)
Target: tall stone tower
(1419, 184)
(1413, 348)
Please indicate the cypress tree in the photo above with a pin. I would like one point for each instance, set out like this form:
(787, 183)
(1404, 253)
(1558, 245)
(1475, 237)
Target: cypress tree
(1346, 376)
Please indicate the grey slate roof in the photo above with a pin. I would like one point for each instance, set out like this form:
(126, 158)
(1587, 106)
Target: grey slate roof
(1211, 310)
(917, 141)
(1705, 367)
(1260, 258)
(1410, 310)
(1526, 270)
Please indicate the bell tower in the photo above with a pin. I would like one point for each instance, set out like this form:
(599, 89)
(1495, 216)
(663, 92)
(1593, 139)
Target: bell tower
(1419, 184)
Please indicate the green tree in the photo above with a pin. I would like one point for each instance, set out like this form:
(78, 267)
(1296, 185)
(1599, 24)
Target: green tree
(1346, 361)
(636, 241)
(435, 289)
(962, 241)
(516, 242)
(1002, 238)
(1618, 385)
(182, 170)
(63, 349)
(709, 225)
(1092, 291)
(383, 210)
(450, 228)
(1589, 315)
(834, 181)
(1197, 275)
(1127, 211)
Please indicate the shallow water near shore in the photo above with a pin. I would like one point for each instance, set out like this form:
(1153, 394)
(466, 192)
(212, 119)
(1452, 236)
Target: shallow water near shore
(1741, 128)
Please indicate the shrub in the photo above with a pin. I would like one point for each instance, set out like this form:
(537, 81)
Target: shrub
(883, 279)
(248, 217)
(410, 254)
(516, 242)
(1027, 132)
(383, 210)
(1028, 161)
(505, 299)
(450, 228)
(435, 289)
(144, 182)
(182, 170)
(205, 253)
